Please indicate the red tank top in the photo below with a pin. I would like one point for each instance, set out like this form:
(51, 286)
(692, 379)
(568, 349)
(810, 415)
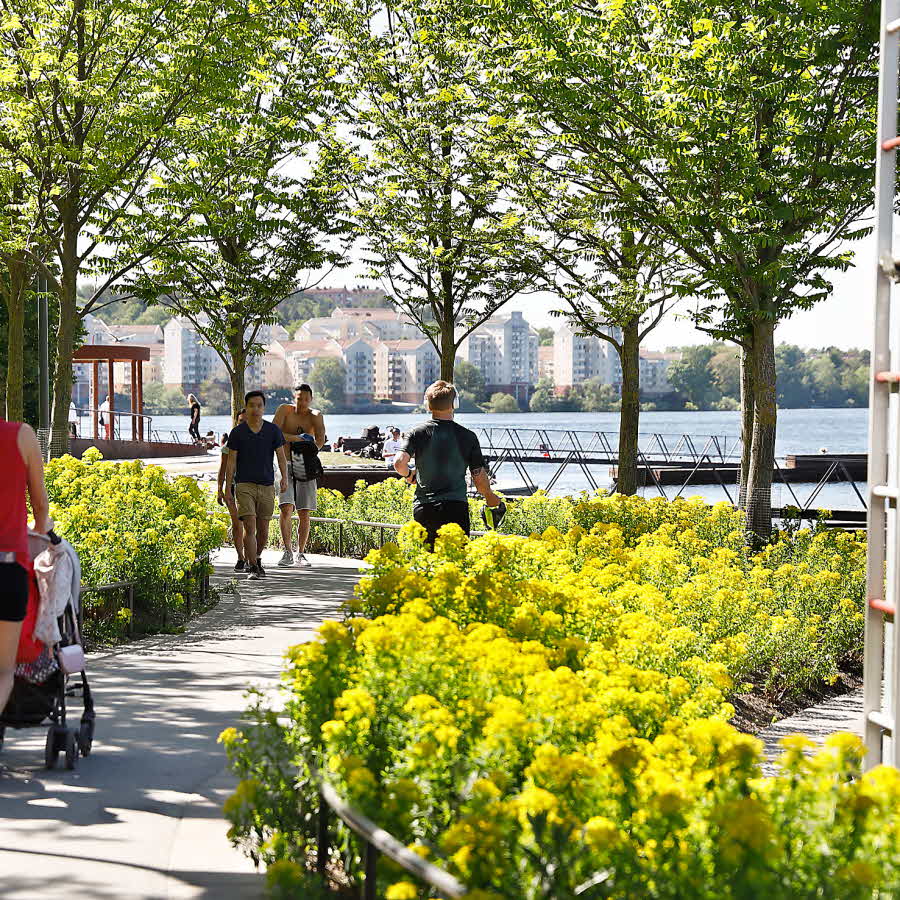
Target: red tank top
(13, 511)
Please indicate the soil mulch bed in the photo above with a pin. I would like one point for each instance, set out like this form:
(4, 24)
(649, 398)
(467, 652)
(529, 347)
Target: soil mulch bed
(758, 709)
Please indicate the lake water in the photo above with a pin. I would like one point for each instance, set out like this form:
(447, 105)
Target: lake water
(799, 431)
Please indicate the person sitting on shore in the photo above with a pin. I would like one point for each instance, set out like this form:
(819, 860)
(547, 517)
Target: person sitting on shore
(392, 445)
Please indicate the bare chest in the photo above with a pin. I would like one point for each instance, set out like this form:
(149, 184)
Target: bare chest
(299, 423)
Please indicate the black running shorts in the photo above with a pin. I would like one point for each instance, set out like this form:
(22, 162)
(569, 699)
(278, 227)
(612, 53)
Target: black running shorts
(431, 517)
(13, 592)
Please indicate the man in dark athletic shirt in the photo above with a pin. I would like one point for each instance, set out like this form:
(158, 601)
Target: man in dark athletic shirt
(443, 451)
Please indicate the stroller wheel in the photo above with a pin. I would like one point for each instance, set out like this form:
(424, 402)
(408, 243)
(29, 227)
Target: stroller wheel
(51, 750)
(71, 749)
(86, 737)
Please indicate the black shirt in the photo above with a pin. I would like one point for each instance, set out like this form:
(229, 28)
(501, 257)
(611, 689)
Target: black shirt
(255, 452)
(195, 413)
(443, 450)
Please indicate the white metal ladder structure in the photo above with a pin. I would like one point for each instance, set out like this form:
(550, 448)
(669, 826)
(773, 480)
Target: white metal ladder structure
(882, 651)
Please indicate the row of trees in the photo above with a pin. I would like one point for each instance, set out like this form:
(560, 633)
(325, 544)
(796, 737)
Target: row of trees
(709, 377)
(214, 155)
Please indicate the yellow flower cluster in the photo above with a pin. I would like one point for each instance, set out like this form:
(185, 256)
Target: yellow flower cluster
(131, 522)
(549, 713)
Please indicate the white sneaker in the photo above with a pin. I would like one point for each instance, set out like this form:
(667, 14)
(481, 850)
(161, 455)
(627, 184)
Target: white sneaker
(287, 559)
(303, 562)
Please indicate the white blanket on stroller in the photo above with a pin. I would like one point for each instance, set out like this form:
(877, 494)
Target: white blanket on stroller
(58, 573)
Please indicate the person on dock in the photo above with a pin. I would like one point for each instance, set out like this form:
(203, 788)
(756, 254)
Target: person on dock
(391, 445)
(443, 451)
(23, 472)
(106, 419)
(252, 447)
(229, 502)
(299, 422)
(194, 427)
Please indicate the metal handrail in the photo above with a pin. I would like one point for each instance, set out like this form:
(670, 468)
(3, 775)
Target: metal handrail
(377, 840)
(113, 586)
(116, 415)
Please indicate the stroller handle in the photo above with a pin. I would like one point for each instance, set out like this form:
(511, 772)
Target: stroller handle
(37, 541)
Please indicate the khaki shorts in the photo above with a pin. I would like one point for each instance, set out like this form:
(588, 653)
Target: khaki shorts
(255, 499)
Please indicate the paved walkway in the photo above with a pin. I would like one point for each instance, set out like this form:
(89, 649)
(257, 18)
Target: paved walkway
(141, 817)
(844, 713)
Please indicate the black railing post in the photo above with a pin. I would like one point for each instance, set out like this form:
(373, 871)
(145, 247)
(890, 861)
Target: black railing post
(322, 848)
(340, 539)
(371, 885)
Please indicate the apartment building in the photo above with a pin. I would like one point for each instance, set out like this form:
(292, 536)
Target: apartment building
(545, 362)
(505, 350)
(188, 362)
(359, 361)
(654, 371)
(385, 324)
(404, 368)
(288, 363)
(578, 358)
(347, 297)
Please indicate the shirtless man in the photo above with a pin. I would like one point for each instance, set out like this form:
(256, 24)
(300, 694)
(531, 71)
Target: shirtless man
(295, 421)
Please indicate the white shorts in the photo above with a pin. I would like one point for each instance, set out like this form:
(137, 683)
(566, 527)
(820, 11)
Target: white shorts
(300, 494)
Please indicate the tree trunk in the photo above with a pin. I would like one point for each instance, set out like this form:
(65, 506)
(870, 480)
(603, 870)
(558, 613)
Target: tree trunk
(762, 452)
(747, 416)
(17, 273)
(236, 370)
(629, 417)
(237, 392)
(448, 353)
(448, 319)
(66, 332)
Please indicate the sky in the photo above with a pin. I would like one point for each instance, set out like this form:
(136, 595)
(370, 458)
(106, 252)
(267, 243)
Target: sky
(844, 320)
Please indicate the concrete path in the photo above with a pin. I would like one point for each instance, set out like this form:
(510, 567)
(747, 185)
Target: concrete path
(141, 817)
(844, 713)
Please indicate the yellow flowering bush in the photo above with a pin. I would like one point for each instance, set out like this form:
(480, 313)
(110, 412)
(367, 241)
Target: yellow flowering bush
(547, 716)
(131, 522)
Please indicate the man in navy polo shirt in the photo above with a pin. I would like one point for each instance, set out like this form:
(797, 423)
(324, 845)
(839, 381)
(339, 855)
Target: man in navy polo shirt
(251, 447)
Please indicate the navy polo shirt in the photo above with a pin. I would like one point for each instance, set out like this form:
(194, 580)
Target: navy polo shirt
(255, 450)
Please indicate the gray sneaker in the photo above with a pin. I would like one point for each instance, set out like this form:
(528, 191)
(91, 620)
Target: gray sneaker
(287, 559)
(303, 562)
(252, 573)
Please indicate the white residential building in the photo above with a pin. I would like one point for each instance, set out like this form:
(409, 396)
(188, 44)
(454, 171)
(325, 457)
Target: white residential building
(404, 369)
(578, 358)
(385, 324)
(188, 361)
(545, 362)
(289, 363)
(505, 350)
(359, 361)
(654, 371)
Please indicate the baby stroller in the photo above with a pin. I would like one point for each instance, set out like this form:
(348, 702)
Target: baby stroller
(49, 673)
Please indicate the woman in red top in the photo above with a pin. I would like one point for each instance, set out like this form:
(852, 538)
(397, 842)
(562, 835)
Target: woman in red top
(22, 470)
